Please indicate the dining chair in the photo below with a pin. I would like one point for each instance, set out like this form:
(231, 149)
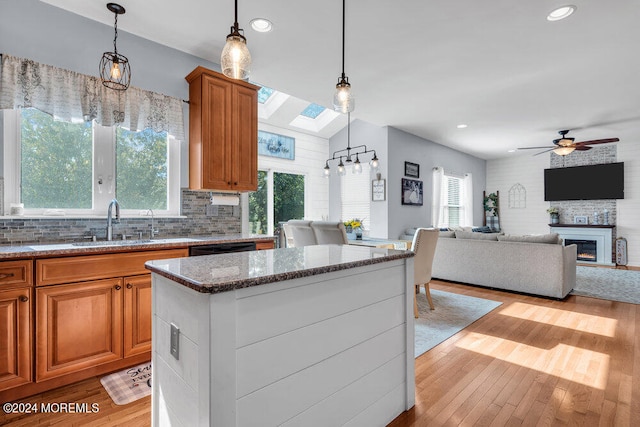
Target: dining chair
(424, 246)
(301, 232)
(330, 232)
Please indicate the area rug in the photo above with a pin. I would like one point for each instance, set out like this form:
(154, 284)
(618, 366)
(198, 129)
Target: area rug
(453, 313)
(129, 384)
(607, 283)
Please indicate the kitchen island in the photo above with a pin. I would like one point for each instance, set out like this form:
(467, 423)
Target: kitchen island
(319, 335)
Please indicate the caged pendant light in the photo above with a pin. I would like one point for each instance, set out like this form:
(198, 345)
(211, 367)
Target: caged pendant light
(115, 71)
(343, 100)
(235, 60)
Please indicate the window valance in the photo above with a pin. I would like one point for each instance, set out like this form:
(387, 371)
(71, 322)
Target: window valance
(75, 97)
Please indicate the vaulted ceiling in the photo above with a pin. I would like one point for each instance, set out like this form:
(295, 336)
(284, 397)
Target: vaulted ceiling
(425, 67)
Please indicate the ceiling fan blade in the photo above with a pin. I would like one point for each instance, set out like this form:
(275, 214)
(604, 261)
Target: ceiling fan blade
(583, 147)
(534, 148)
(598, 141)
(545, 151)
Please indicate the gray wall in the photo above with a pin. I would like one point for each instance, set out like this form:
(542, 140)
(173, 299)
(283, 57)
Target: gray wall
(428, 154)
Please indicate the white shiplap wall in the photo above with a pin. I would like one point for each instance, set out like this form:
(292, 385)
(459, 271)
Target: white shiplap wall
(310, 155)
(628, 221)
(527, 170)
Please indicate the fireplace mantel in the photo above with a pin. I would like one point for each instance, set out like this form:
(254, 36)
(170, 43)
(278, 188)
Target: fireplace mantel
(601, 234)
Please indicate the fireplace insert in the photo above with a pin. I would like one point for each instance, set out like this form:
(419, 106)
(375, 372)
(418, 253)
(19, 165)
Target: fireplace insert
(587, 249)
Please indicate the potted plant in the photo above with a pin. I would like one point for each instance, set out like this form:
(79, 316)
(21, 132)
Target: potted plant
(354, 225)
(555, 214)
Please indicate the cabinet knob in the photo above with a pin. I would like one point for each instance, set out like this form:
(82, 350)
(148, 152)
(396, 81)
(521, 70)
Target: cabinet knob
(118, 287)
(235, 183)
(24, 298)
(129, 286)
(228, 182)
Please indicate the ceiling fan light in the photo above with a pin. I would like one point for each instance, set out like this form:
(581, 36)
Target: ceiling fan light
(563, 151)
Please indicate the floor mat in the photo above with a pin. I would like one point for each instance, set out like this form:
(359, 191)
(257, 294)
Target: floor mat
(129, 384)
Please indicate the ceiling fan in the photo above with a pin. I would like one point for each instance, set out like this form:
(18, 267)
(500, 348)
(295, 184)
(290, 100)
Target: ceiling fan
(566, 145)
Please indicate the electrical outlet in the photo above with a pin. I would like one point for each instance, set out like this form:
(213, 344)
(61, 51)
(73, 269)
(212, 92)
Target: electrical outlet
(211, 210)
(174, 348)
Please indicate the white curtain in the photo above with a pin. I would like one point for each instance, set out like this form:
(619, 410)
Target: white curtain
(74, 97)
(436, 203)
(467, 200)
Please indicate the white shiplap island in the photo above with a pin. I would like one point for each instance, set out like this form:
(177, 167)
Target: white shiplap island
(314, 336)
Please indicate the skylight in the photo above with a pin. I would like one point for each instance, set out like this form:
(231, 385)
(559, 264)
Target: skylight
(312, 111)
(264, 93)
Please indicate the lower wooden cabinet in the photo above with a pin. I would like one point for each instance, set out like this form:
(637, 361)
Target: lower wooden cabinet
(78, 326)
(137, 315)
(15, 337)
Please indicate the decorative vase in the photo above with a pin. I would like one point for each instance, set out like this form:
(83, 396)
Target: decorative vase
(348, 229)
(358, 232)
(555, 218)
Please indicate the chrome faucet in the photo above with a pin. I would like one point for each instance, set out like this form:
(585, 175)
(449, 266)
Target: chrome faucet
(109, 215)
(152, 230)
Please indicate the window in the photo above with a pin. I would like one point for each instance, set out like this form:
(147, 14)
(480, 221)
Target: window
(452, 199)
(77, 168)
(355, 194)
(312, 111)
(280, 197)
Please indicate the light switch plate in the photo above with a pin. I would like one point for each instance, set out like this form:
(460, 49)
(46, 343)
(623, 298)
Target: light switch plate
(175, 342)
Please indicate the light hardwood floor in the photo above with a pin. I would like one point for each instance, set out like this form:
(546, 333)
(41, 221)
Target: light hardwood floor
(531, 361)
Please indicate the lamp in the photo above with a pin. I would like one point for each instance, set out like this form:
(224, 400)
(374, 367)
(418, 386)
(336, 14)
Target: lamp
(563, 151)
(348, 153)
(115, 71)
(343, 100)
(235, 60)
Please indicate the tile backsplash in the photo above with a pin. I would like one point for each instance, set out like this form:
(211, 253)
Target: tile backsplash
(196, 222)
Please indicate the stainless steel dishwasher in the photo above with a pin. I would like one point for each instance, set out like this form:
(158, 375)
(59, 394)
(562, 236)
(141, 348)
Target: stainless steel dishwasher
(222, 248)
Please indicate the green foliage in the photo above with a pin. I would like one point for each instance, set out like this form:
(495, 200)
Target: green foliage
(258, 205)
(288, 197)
(56, 160)
(141, 163)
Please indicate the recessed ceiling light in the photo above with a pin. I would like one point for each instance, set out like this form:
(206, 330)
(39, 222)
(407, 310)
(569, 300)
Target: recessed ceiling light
(561, 13)
(511, 151)
(261, 25)
(461, 126)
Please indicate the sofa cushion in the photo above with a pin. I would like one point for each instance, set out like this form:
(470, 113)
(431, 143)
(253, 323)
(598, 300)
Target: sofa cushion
(551, 238)
(447, 234)
(476, 236)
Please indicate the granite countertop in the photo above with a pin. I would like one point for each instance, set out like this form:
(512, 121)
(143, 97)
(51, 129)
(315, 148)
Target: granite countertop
(89, 248)
(226, 272)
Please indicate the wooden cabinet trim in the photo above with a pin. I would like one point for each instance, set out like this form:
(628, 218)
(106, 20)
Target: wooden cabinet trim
(137, 315)
(16, 330)
(52, 271)
(15, 274)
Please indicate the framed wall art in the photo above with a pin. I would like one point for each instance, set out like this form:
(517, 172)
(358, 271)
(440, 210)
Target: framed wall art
(378, 190)
(412, 169)
(274, 145)
(579, 219)
(411, 192)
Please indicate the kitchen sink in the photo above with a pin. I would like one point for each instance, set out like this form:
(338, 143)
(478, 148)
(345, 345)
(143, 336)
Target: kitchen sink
(115, 242)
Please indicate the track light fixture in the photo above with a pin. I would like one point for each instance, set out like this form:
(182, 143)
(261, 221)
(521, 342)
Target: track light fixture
(235, 60)
(115, 71)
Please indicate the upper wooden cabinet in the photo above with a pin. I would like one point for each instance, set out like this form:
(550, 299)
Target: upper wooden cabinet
(223, 132)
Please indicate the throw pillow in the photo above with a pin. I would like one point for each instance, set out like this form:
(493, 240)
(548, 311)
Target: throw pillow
(485, 229)
(551, 238)
(476, 236)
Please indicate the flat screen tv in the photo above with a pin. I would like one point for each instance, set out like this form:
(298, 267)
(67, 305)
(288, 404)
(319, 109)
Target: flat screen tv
(593, 182)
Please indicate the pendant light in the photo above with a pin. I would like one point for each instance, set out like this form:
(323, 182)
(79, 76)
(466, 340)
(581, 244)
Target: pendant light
(235, 60)
(347, 154)
(343, 100)
(115, 71)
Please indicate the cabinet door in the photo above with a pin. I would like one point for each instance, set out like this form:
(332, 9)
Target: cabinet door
(15, 337)
(244, 148)
(77, 326)
(216, 134)
(137, 315)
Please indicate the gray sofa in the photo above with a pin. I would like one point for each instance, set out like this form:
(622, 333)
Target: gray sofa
(513, 263)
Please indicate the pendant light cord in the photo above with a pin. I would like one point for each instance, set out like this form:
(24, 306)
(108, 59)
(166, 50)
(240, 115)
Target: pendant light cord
(343, 34)
(115, 29)
(235, 24)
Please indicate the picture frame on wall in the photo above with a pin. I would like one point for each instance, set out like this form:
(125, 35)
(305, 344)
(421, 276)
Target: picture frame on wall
(412, 169)
(412, 194)
(274, 145)
(378, 190)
